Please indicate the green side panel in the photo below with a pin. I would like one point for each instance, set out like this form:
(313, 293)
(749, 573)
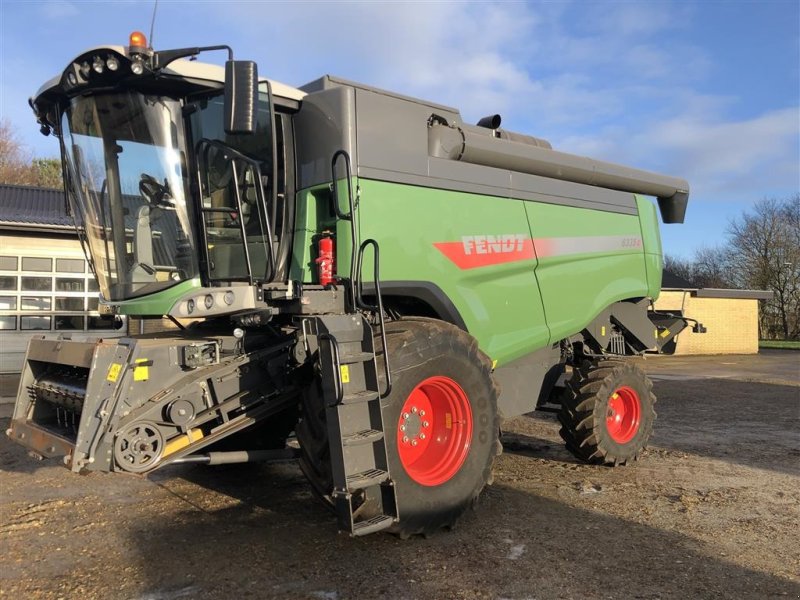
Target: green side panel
(587, 259)
(577, 284)
(500, 303)
(307, 225)
(653, 254)
(312, 217)
(159, 303)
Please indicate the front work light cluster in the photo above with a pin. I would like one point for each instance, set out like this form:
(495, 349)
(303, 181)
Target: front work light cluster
(100, 66)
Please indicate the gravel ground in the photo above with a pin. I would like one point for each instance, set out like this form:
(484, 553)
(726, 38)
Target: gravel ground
(711, 510)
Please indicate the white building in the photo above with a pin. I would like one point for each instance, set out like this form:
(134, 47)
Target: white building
(46, 285)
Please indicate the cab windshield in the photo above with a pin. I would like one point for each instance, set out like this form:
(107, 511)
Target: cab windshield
(129, 187)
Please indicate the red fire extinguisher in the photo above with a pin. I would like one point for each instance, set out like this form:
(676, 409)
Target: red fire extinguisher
(325, 260)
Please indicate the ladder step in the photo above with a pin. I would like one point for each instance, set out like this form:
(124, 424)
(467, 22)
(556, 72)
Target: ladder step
(355, 357)
(365, 479)
(218, 209)
(367, 436)
(362, 396)
(372, 525)
(347, 336)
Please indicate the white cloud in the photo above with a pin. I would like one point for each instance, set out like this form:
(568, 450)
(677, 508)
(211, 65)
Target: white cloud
(630, 19)
(722, 159)
(721, 155)
(608, 80)
(612, 80)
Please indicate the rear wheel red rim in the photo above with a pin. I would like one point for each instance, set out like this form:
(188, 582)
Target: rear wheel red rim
(623, 415)
(434, 431)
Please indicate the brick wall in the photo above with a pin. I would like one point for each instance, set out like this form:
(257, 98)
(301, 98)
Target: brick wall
(732, 323)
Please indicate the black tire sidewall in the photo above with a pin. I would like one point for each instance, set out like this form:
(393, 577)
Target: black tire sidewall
(634, 378)
(441, 352)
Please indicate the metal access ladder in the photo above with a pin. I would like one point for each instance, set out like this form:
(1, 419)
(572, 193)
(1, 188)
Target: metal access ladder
(363, 491)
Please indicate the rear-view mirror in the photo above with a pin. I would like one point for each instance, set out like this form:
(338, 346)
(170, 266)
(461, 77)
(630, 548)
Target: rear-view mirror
(241, 95)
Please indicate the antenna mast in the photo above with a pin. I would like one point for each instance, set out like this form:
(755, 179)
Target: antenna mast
(153, 23)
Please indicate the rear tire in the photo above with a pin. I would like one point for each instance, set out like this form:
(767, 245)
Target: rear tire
(607, 412)
(440, 367)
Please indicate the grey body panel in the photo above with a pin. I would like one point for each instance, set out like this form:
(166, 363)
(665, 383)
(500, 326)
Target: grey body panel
(387, 138)
(633, 318)
(526, 382)
(326, 123)
(327, 82)
(392, 133)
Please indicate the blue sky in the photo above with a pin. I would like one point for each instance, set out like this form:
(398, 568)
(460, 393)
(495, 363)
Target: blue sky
(709, 91)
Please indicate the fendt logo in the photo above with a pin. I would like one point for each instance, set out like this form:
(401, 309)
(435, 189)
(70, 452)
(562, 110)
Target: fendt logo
(475, 251)
(492, 244)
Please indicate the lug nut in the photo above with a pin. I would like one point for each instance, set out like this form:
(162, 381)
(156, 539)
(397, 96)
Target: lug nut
(402, 427)
(406, 416)
(413, 442)
(413, 409)
(426, 424)
(422, 436)
(422, 413)
(405, 439)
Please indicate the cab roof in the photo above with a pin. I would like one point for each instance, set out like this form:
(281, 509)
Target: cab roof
(185, 68)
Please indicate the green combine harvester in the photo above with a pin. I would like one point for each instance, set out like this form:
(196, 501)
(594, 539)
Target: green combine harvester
(356, 268)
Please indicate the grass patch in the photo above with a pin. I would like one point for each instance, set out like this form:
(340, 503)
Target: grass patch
(780, 344)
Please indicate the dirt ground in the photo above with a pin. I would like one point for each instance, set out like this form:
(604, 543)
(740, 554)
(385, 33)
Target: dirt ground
(711, 511)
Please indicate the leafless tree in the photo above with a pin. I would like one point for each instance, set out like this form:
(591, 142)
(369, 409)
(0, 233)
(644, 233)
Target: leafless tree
(18, 167)
(764, 247)
(762, 252)
(712, 267)
(680, 267)
(709, 268)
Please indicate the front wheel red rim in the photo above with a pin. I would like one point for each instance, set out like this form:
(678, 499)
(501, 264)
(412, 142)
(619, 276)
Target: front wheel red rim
(623, 415)
(434, 431)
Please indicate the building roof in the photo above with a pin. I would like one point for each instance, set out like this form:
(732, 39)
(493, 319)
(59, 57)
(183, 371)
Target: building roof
(33, 208)
(672, 282)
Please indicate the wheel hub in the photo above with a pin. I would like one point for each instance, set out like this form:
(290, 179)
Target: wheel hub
(623, 415)
(434, 431)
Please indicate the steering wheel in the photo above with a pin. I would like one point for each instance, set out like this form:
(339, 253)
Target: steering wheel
(220, 171)
(153, 192)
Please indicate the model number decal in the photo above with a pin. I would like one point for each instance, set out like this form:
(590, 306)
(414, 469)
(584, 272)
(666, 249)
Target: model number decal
(631, 242)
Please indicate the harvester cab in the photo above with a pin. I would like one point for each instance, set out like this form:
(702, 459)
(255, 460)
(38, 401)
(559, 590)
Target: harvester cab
(152, 147)
(247, 212)
(154, 144)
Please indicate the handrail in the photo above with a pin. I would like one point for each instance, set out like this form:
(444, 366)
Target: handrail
(202, 150)
(347, 217)
(360, 303)
(337, 365)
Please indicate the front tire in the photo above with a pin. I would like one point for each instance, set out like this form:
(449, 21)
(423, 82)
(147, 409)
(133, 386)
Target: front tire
(439, 369)
(440, 424)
